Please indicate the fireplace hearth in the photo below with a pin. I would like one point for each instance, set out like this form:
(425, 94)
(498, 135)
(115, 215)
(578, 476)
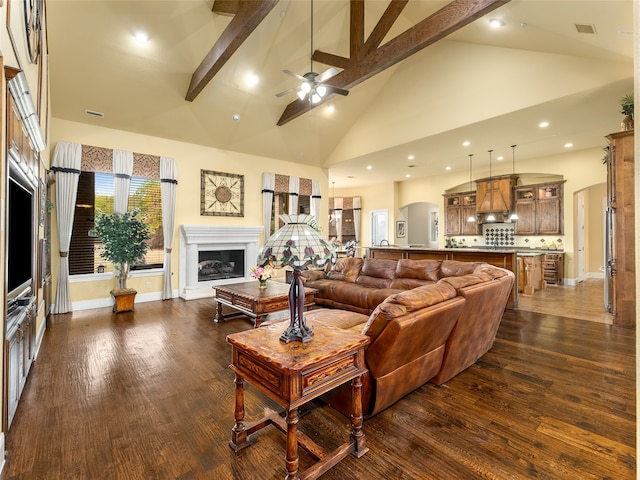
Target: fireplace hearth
(215, 255)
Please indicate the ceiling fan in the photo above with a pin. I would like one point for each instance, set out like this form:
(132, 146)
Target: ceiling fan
(313, 86)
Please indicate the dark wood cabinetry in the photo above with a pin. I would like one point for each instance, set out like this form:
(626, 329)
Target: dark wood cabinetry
(621, 274)
(553, 268)
(459, 207)
(539, 209)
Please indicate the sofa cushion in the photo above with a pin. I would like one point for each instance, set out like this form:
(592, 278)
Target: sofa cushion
(466, 280)
(380, 317)
(422, 297)
(377, 272)
(346, 269)
(419, 269)
(494, 272)
(342, 319)
(408, 283)
(375, 296)
(399, 304)
(454, 268)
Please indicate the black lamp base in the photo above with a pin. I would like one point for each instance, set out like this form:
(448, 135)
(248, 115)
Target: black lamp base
(297, 331)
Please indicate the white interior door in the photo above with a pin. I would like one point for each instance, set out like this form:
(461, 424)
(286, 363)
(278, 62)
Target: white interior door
(379, 226)
(580, 238)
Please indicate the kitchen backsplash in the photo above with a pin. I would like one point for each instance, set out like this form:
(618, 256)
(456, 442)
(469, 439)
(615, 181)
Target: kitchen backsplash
(503, 235)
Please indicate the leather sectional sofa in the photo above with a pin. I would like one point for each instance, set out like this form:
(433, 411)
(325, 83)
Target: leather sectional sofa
(428, 319)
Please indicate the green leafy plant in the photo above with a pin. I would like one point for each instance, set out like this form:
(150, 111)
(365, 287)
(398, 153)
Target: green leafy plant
(626, 104)
(124, 237)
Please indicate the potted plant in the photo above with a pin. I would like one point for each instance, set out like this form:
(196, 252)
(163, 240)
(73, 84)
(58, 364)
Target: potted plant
(124, 238)
(626, 107)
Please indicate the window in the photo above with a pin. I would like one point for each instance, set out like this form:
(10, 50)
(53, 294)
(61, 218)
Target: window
(95, 193)
(280, 205)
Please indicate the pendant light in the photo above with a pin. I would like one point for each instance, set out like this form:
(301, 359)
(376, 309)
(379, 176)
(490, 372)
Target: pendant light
(514, 216)
(472, 217)
(491, 217)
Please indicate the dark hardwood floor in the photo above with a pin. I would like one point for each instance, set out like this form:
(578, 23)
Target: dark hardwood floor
(148, 395)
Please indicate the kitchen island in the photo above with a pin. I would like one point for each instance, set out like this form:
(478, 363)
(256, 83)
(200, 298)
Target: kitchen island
(505, 258)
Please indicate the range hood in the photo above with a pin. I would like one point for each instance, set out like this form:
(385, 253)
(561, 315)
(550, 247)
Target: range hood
(494, 195)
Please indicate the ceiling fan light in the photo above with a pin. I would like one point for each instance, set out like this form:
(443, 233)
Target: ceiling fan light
(305, 88)
(315, 98)
(321, 90)
(301, 95)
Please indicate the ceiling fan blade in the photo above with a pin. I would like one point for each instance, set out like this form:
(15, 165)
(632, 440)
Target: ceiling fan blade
(337, 90)
(295, 75)
(291, 90)
(327, 74)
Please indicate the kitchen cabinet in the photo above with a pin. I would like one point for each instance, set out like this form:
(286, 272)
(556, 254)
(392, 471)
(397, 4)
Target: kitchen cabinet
(539, 209)
(620, 285)
(459, 207)
(525, 208)
(553, 268)
(530, 273)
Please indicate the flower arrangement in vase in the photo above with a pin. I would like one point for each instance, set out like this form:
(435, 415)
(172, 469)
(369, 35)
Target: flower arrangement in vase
(262, 274)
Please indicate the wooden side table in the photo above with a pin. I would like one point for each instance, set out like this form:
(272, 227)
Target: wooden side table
(293, 374)
(255, 302)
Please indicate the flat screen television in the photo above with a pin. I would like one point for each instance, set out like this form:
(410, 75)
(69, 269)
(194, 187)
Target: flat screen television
(19, 252)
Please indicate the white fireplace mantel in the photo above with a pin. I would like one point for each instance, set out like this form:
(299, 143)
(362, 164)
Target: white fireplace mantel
(197, 238)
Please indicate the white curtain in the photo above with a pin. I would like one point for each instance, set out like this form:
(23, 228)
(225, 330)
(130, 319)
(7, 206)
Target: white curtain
(168, 187)
(294, 195)
(67, 158)
(337, 210)
(122, 171)
(268, 187)
(356, 216)
(315, 200)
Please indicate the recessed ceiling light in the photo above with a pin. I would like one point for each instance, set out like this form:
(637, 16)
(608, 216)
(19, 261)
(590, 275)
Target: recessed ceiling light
(331, 108)
(447, 168)
(543, 124)
(408, 175)
(252, 79)
(369, 167)
(568, 145)
(410, 157)
(466, 143)
(496, 23)
(235, 117)
(500, 158)
(141, 37)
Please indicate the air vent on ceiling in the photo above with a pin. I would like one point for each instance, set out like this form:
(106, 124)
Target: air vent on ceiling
(91, 113)
(590, 29)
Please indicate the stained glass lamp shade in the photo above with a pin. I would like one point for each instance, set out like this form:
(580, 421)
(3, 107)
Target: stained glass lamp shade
(300, 247)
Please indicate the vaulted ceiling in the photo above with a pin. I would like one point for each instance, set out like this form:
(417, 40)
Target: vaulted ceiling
(488, 86)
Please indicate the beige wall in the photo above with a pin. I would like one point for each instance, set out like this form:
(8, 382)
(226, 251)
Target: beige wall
(190, 160)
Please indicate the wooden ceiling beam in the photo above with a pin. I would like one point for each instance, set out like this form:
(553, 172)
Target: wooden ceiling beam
(445, 21)
(356, 28)
(246, 17)
(385, 23)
